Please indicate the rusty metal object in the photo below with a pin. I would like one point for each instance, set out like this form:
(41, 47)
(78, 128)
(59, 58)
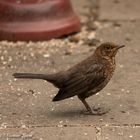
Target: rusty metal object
(36, 20)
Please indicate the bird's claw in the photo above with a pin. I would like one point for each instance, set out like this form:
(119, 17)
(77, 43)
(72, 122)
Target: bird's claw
(97, 111)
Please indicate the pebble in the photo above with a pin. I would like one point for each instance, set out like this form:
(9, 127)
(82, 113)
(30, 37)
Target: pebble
(108, 94)
(46, 55)
(85, 134)
(122, 89)
(91, 35)
(120, 133)
(131, 136)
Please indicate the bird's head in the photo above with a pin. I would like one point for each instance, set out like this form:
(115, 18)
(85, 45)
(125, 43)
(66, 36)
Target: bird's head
(108, 49)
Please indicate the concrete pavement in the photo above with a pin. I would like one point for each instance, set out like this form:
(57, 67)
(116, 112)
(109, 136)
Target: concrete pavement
(26, 110)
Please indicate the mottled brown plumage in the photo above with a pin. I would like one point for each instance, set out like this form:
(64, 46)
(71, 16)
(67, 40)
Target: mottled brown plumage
(84, 79)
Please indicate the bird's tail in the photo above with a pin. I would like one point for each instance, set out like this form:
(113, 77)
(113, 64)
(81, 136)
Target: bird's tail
(31, 76)
(55, 79)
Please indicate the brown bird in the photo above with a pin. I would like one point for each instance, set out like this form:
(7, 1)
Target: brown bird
(84, 79)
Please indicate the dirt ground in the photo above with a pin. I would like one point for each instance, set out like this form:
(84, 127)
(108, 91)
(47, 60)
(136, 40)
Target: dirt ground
(26, 110)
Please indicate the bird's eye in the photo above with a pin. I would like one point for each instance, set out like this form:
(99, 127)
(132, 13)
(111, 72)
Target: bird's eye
(107, 47)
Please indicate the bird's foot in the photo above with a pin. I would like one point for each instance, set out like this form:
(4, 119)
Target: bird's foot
(97, 111)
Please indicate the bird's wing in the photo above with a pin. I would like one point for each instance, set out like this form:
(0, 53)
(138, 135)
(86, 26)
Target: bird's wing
(81, 82)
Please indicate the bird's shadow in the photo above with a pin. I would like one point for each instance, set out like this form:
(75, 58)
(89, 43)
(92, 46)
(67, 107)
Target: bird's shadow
(67, 113)
(76, 113)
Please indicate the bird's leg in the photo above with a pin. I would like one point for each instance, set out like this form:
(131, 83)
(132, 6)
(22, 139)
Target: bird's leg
(94, 111)
(85, 104)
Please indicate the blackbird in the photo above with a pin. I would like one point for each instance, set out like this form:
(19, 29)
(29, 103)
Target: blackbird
(85, 78)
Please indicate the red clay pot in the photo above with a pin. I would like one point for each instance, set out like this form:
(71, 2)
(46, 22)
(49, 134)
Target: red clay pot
(36, 20)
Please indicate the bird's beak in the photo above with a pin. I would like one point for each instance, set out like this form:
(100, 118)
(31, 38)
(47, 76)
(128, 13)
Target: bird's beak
(121, 46)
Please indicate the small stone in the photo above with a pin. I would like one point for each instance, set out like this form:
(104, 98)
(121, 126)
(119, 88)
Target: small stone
(127, 91)
(61, 122)
(91, 35)
(31, 91)
(60, 125)
(81, 42)
(18, 89)
(101, 120)
(85, 134)
(15, 79)
(121, 66)
(2, 58)
(74, 39)
(106, 125)
(3, 126)
(20, 99)
(4, 62)
(24, 57)
(23, 126)
(123, 111)
(46, 55)
(128, 113)
(112, 118)
(108, 94)
(122, 89)
(10, 59)
(32, 54)
(120, 133)
(97, 24)
(67, 52)
(52, 109)
(116, 24)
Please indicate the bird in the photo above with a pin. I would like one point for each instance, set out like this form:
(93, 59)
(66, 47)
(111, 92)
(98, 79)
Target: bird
(84, 79)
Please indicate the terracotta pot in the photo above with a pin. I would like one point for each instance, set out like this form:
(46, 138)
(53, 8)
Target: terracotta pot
(36, 20)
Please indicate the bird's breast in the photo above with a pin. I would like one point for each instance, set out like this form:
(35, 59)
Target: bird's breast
(110, 68)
